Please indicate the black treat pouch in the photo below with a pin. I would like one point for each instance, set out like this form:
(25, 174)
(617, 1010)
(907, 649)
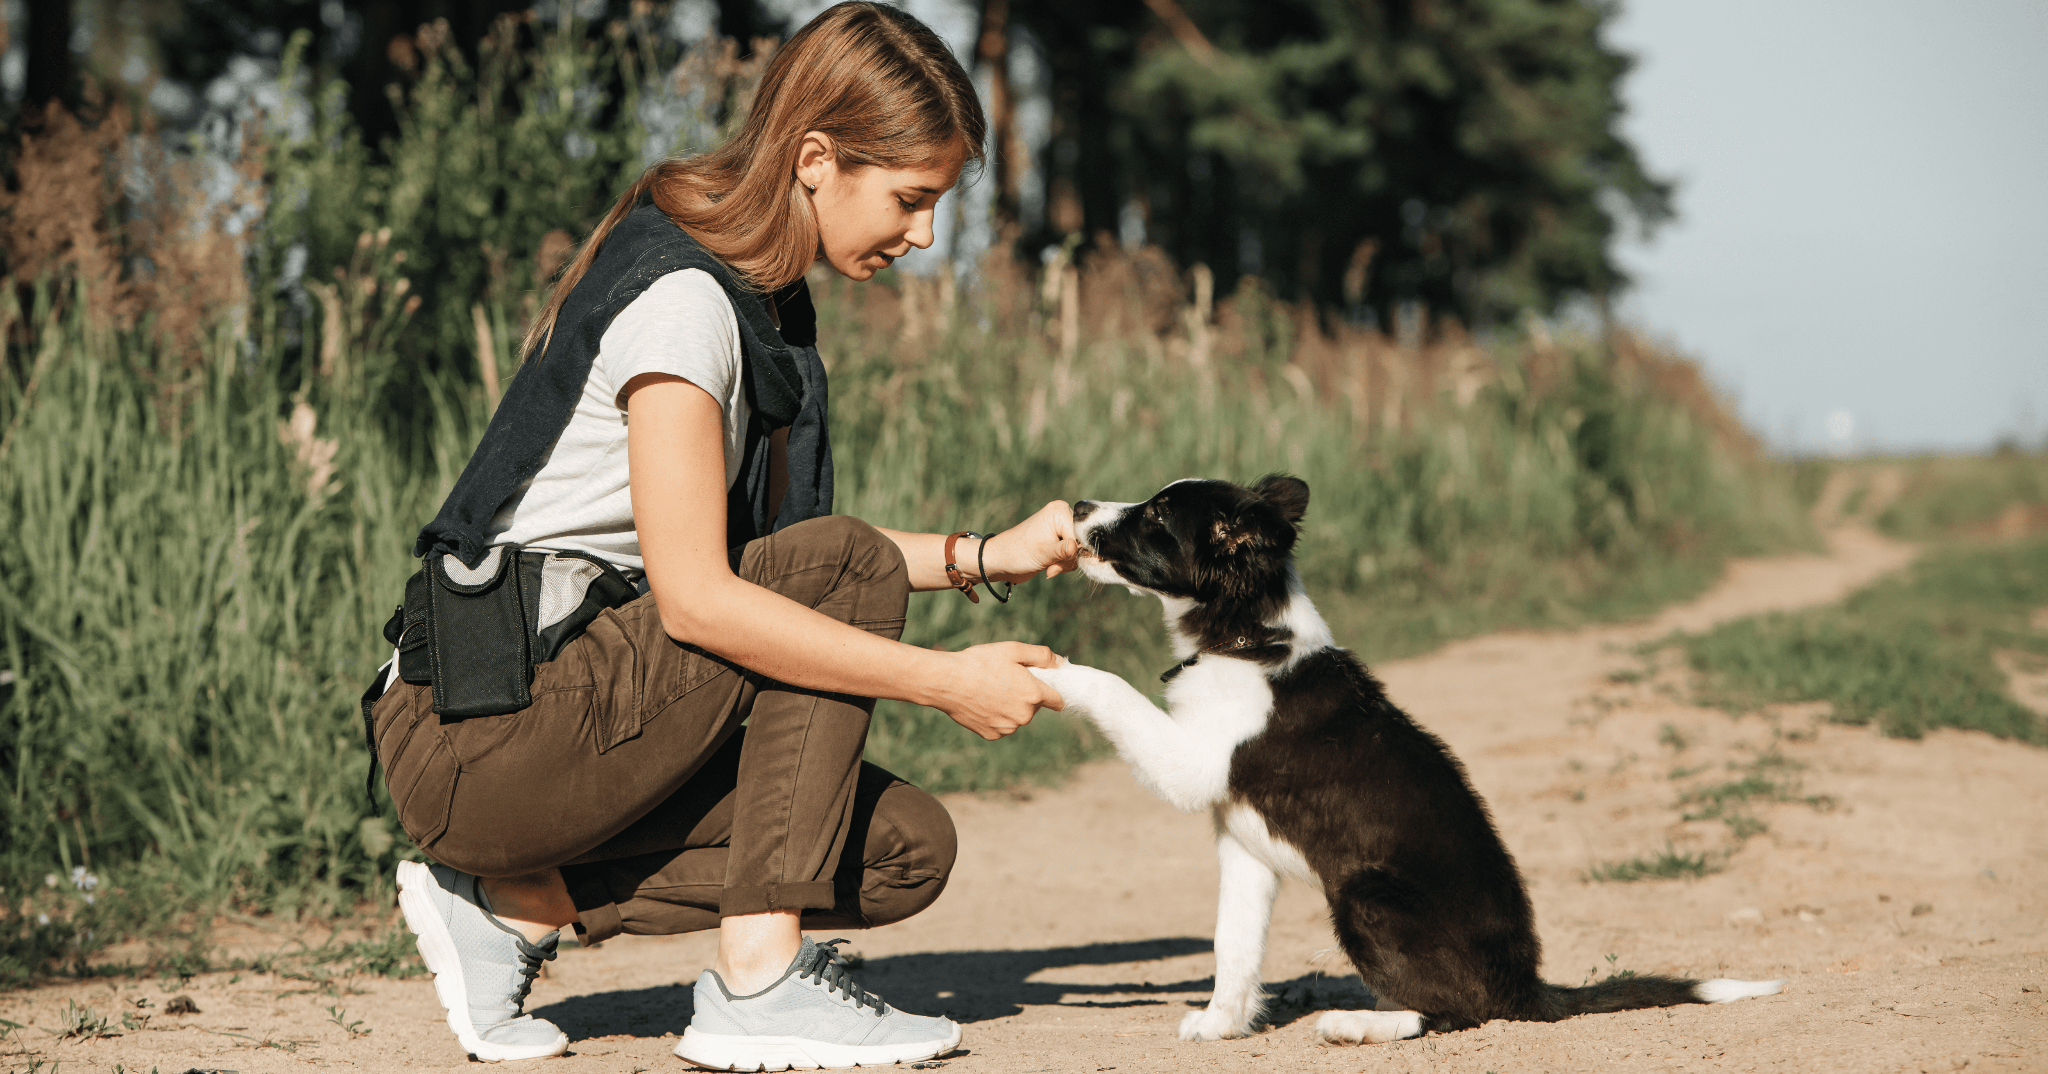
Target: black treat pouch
(410, 628)
(478, 643)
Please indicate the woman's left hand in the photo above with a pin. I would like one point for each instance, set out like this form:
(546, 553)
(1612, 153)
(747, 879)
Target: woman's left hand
(1043, 542)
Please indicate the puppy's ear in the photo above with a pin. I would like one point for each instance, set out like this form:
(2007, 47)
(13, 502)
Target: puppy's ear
(1289, 494)
(1229, 535)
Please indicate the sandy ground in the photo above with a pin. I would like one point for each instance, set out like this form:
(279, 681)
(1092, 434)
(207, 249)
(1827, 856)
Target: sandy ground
(1909, 916)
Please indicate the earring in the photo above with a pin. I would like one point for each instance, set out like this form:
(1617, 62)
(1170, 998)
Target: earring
(812, 187)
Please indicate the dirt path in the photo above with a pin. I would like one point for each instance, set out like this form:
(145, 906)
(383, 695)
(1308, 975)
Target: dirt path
(1909, 917)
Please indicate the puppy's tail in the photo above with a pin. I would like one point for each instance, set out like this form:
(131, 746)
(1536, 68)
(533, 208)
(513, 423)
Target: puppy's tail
(1632, 993)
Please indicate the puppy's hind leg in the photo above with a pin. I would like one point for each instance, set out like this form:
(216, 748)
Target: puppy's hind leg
(1368, 1027)
(1244, 908)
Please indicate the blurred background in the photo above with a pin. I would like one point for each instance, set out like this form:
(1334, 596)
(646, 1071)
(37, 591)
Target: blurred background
(1558, 305)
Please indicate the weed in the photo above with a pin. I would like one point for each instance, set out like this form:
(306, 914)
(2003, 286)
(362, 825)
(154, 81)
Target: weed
(1669, 735)
(82, 1023)
(1770, 776)
(1744, 826)
(1612, 973)
(340, 1018)
(1667, 864)
(394, 954)
(289, 1047)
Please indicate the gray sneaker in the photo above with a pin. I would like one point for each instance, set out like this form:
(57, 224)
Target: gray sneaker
(814, 1016)
(482, 968)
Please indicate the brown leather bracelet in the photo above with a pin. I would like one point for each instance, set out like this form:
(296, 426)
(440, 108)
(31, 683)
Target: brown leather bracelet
(953, 576)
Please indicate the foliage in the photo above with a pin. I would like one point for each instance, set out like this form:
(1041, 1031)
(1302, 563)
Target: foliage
(496, 168)
(1464, 154)
(1909, 653)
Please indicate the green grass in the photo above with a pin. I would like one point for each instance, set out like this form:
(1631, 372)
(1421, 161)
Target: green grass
(1945, 495)
(1669, 863)
(1770, 776)
(1908, 654)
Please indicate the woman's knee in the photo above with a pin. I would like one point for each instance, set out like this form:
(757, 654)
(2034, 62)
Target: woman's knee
(868, 553)
(911, 849)
(840, 566)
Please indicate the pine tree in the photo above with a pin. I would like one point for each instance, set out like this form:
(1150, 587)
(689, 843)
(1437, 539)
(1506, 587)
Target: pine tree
(1365, 154)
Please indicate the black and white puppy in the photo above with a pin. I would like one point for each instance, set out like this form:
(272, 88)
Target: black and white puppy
(1312, 773)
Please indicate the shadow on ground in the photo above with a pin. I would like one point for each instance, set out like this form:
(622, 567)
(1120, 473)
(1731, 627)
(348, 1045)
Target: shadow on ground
(973, 986)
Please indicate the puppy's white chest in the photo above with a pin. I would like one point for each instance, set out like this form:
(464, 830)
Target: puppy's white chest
(1249, 829)
(1225, 701)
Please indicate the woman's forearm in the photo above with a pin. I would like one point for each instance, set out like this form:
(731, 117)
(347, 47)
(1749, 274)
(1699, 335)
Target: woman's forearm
(925, 555)
(1044, 542)
(768, 633)
(676, 454)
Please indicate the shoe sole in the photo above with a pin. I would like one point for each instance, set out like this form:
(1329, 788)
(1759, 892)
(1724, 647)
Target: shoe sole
(437, 949)
(720, 1051)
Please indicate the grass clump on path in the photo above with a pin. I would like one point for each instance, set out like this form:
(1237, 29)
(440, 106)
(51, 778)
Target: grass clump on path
(1669, 863)
(1909, 653)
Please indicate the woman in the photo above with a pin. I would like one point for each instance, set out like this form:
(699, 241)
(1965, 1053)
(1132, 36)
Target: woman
(624, 796)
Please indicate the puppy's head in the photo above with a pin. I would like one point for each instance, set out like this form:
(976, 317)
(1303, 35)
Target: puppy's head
(1197, 540)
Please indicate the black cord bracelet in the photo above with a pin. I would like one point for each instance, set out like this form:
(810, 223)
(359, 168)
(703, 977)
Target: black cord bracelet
(981, 562)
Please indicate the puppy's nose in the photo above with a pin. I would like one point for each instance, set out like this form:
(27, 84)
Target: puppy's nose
(1083, 509)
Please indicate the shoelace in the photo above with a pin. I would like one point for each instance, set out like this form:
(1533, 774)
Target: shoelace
(832, 971)
(530, 958)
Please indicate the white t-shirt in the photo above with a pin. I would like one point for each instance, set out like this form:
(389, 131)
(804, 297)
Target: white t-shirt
(683, 325)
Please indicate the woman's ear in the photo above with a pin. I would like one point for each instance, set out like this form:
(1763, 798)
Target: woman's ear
(817, 160)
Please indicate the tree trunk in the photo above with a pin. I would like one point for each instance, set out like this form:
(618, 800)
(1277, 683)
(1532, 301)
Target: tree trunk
(50, 74)
(992, 49)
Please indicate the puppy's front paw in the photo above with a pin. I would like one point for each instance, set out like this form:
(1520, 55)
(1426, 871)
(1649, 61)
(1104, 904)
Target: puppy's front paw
(1368, 1027)
(1077, 683)
(1212, 1024)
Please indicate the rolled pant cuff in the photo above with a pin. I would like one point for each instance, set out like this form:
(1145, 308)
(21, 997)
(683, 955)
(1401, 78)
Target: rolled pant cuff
(758, 899)
(597, 910)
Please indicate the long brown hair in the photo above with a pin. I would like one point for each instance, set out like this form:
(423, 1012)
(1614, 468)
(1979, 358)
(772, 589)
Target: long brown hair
(880, 83)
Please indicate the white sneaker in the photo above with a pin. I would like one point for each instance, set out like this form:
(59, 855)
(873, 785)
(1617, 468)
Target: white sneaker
(813, 1016)
(482, 968)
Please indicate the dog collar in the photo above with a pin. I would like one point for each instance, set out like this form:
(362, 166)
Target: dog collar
(1213, 650)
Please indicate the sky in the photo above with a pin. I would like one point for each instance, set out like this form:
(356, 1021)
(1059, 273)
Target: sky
(1860, 259)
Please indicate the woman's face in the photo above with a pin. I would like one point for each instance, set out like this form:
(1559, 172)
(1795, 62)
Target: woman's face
(869, 217)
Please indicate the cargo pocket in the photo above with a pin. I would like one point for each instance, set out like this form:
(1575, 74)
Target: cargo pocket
(422, 783)
(615, 673)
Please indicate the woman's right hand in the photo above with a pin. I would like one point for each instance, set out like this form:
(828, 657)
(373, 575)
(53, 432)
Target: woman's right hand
(985, 688)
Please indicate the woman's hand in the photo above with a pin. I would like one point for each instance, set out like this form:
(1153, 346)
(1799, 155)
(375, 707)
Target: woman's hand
(1043, 542)
(987, 691)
